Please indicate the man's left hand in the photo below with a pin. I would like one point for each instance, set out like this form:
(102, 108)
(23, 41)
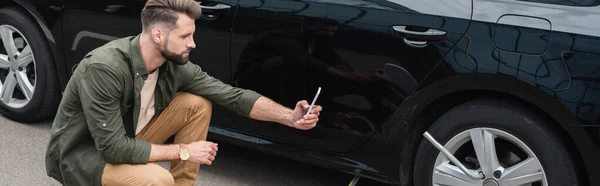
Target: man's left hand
(302, 121)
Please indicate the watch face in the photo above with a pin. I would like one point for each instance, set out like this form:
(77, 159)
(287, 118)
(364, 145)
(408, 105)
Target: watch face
(184, 154)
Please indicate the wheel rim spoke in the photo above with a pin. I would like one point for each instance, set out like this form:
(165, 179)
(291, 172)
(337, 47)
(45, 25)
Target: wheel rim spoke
(4, 63)
(16, 63)
(446, 174)
(527, 171)
(485, 149)
(8, 41)
(25, 85)
(8, 87)
(25, 57)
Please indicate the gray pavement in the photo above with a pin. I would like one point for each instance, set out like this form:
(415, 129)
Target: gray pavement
(22, 148)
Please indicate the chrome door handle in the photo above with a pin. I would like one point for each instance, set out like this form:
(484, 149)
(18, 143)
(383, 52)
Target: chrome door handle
(419, 39)
(216, 7)
(211, 12)
(429, 32)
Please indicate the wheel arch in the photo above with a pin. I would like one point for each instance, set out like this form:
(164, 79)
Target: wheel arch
(58, 58)
(431, 102)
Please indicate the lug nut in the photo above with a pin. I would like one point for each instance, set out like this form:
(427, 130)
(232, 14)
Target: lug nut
(497, 174)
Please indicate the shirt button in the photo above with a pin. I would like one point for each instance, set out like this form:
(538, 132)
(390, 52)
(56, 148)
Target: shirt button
(137, 74)
(104, 125)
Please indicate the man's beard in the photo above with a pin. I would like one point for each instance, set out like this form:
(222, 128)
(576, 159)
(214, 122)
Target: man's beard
(173, 57)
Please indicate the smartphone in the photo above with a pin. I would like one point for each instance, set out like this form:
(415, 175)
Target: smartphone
(314, 100)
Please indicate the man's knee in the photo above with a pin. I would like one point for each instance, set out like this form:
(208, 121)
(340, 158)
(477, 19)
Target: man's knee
(194, 101)
(163, 178)
(149, 174)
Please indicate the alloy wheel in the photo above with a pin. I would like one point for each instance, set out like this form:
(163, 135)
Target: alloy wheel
(502, 158)
(17, 68)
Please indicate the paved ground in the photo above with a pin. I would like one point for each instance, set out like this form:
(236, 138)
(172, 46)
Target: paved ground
(22, 148)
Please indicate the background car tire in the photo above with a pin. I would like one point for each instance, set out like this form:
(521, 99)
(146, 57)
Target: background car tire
(525, 125)
(46, 96)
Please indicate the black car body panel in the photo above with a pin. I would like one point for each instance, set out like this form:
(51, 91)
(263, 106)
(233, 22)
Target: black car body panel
(543, 53)
(261, 27)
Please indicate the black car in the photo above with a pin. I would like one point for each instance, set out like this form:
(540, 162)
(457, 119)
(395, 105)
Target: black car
(421, 92)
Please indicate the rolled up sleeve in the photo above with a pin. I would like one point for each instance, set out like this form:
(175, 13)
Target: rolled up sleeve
(100, 92)
(232, 98)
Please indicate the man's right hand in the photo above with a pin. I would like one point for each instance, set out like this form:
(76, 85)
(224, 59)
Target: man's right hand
(202, 152)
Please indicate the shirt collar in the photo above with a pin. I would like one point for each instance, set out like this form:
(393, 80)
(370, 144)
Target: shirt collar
(137, 62)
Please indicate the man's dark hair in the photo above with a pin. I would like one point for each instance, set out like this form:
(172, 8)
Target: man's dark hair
(164, 12)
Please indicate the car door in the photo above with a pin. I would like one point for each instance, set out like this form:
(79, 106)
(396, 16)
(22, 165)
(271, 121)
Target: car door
(90, 24)
(367, 56)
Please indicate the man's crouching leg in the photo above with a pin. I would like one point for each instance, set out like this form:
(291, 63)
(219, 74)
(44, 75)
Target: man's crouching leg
(139, 174)
(188, 118)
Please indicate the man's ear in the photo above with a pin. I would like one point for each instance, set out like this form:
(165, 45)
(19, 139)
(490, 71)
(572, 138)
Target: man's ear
(157, 35)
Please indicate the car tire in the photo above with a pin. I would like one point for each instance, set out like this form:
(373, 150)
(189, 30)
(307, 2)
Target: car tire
(44, 94)
(512, 124)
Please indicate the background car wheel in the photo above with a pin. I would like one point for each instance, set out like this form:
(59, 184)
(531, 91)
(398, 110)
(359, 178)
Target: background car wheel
(28, 85)
(508, 144)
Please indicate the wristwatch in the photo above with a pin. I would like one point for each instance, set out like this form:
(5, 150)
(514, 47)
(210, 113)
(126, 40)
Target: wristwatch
(184, 153)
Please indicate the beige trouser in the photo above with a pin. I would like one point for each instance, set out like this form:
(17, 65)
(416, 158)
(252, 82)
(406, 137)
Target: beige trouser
(187, 117)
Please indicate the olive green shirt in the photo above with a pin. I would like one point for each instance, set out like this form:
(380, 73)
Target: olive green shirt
(95, 122)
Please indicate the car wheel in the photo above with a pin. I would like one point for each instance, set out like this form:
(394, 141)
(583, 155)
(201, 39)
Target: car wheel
(28, 84)
(505, 143)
